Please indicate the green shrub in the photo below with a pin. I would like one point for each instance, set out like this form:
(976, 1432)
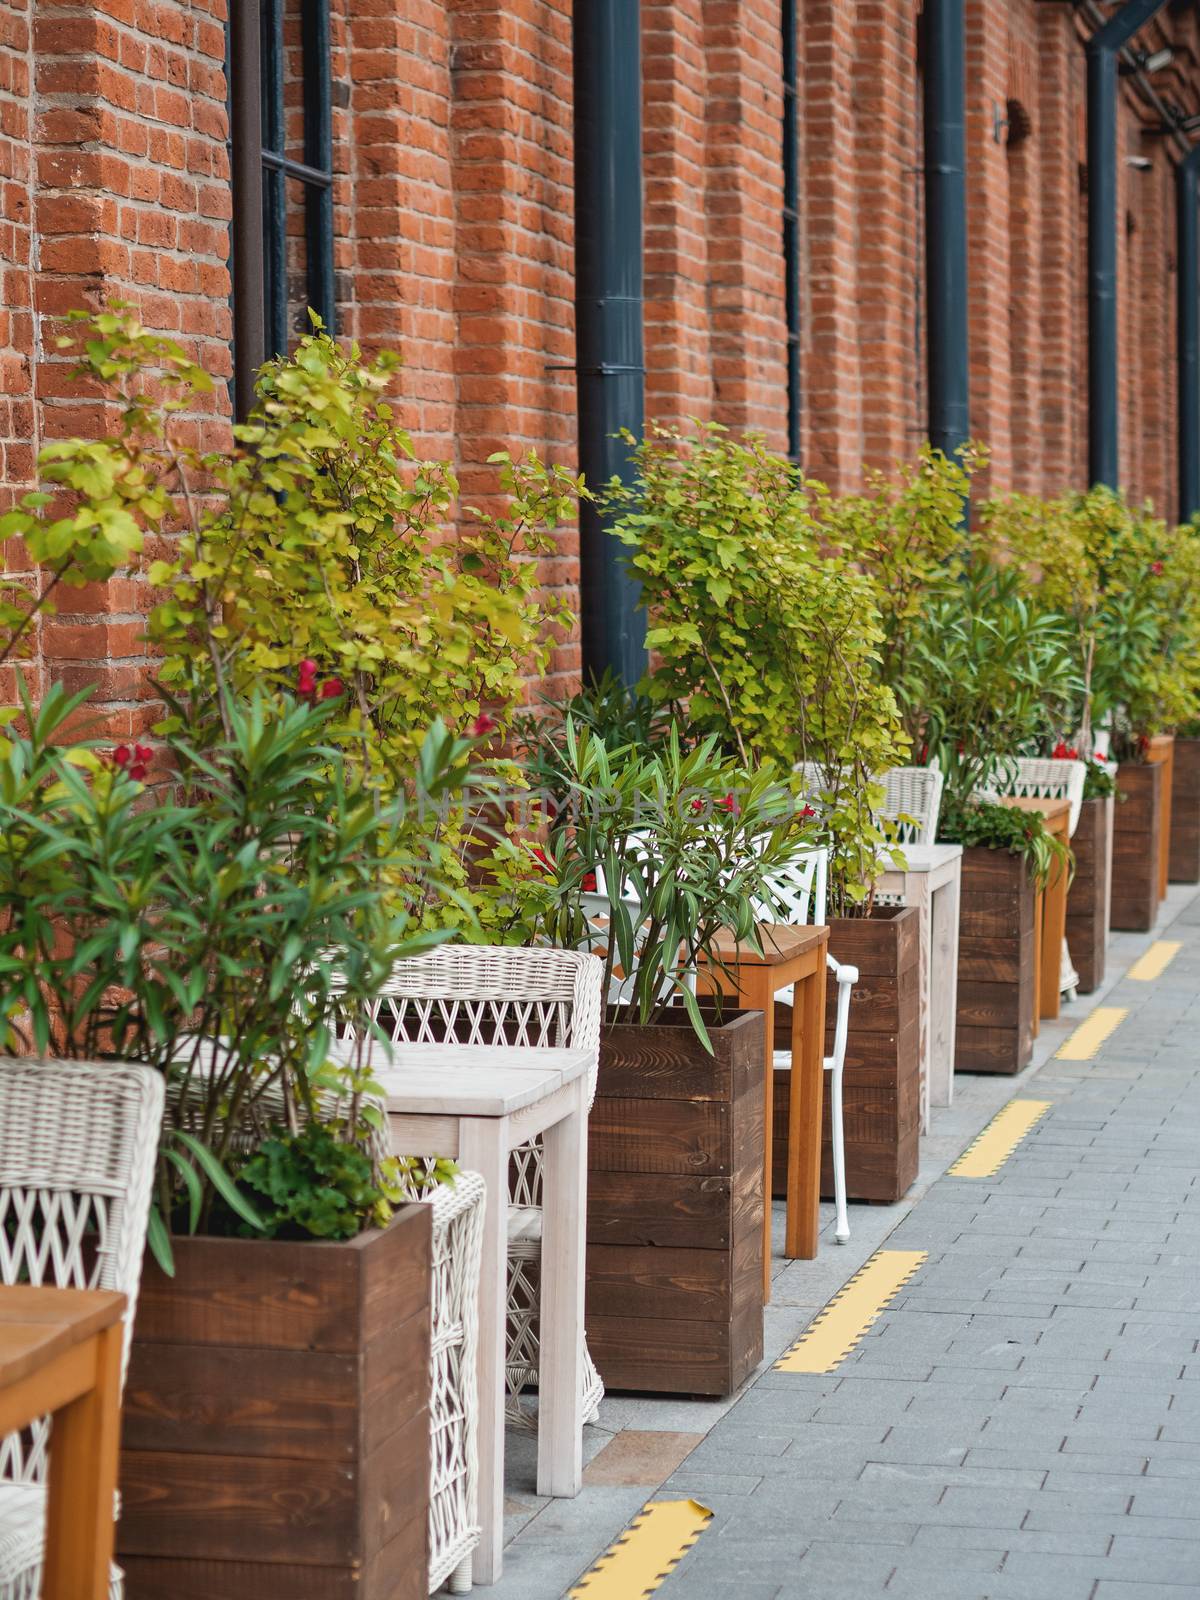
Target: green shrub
(766, 637)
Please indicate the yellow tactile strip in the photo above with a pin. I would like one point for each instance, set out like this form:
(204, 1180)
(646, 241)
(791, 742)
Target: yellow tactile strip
(647, 1552)
(1091, 1034)
(986, 1154)
(834, 1333)
(1155, 961)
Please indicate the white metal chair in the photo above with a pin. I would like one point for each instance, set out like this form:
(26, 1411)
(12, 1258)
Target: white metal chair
(800, 889)
(78, 1148)
(457, 1239)
(497, 995)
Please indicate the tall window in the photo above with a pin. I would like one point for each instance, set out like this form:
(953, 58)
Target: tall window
(281, 123)
(791, 222)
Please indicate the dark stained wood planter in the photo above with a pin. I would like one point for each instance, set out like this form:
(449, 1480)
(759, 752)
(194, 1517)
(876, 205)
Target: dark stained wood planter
(276, 1421)
(675, 1207)
(997, 969)
(882, 1083)
(1184, 861)
(1137, 843)
(1088, 896)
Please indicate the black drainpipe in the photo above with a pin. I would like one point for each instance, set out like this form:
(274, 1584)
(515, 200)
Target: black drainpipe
(946, 223)
(1187, 193)
(608, 314)
(1103, 421)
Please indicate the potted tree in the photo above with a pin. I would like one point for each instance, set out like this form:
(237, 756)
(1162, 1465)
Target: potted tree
(998, 680)
(185, 903)
(769, 635)
(653, 850)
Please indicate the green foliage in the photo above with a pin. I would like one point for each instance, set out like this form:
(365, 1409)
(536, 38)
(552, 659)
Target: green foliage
(996, 827)
(312, 1185)
(682, 842)
(1098, 782)
(766, 633)
(1127, 586)
(313, 559)
(104, 495)
(190, 927)
(905, 533)
(1000, 678)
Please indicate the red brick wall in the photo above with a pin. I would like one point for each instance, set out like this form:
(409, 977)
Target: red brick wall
(453, 206)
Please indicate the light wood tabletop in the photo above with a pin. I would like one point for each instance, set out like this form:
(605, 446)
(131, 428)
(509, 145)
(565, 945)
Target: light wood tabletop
(60, 1354)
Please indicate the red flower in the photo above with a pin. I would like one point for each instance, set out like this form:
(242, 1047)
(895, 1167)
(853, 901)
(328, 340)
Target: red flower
(728, 803)
(1061, 752)
(482, 726)
(808, 812)
(697, 806)
(540, 856)
(306, 676)
(1156, 567)
(331, 689)
(135, 763)
(588, 883)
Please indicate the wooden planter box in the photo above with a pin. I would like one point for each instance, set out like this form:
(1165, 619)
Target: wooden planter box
(1160, 752)
(675, 1207)
(1090, 893)
(882, 1084)
(276, 1427)
(1184, 859)
(997, 969)
(1137, 843)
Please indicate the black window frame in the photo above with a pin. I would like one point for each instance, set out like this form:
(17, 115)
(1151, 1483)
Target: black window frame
(260, 172)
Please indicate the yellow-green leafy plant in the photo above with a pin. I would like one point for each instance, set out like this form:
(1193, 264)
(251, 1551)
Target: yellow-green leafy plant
(1122, 580)
(314, 557)
(905, 532)
(763, 634)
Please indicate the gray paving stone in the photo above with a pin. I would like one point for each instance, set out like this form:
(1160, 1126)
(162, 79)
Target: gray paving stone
(1023, 1423)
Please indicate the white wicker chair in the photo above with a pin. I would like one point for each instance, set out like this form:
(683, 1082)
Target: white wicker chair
(453, 1409)
(537, 998)
(914, 802)
(1044, 776)
(912, 798)
(78, 1146)
(453, 1405)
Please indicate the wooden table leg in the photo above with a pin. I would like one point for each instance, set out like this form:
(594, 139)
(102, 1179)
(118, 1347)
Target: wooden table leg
(83, 1477)
(917, 893)
(1054, 932)
(943, 963)
(483, 1148)
(1039, 943)
(560, 1361)
(805, 1097)
(757, 994)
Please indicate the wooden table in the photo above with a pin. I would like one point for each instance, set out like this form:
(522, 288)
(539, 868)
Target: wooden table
(932, 881)
(1050, 917)
(789, 956)
(60, 1354)
(477, 1103)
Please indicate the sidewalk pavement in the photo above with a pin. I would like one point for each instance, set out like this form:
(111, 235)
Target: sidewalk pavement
(1022, 1423)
